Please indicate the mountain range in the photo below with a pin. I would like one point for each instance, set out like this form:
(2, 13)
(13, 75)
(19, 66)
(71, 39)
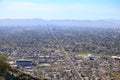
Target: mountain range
(31, 22)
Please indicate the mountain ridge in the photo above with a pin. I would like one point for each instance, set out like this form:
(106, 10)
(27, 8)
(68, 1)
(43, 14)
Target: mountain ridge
(65, 22)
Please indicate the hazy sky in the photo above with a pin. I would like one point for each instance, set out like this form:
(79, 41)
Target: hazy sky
(60, 9)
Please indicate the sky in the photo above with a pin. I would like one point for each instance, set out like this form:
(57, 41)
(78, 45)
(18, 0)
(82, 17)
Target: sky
(60, 9)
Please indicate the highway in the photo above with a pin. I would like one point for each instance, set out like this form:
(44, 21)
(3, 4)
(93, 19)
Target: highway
(67, 57)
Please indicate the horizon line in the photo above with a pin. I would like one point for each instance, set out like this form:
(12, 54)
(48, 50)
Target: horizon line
(56, 19)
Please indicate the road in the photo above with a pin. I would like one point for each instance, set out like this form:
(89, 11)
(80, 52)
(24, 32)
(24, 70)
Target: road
(67, 57)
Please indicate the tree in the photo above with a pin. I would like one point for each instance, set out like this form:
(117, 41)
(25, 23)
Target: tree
(4, 66)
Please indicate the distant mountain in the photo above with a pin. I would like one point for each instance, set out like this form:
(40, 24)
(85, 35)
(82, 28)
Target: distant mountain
(28, 22)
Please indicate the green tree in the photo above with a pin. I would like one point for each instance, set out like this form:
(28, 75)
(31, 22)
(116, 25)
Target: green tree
(4, 66)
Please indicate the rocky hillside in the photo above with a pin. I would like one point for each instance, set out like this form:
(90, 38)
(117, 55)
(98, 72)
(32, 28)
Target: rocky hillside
(7, 73)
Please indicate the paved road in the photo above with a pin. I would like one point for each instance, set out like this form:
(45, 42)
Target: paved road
(68, 59)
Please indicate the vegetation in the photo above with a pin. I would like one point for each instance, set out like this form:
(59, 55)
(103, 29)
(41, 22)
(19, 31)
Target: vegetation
(82, 54)
(4, 67)
(27, 41)
(81, 39)
(6, 72)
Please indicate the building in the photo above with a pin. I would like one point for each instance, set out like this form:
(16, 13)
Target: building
(24, 62)
(90, 57)
(116, 57)
(44, 63)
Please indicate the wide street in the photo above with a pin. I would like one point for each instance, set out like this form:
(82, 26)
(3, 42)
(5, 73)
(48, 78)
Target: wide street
(68, 59)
